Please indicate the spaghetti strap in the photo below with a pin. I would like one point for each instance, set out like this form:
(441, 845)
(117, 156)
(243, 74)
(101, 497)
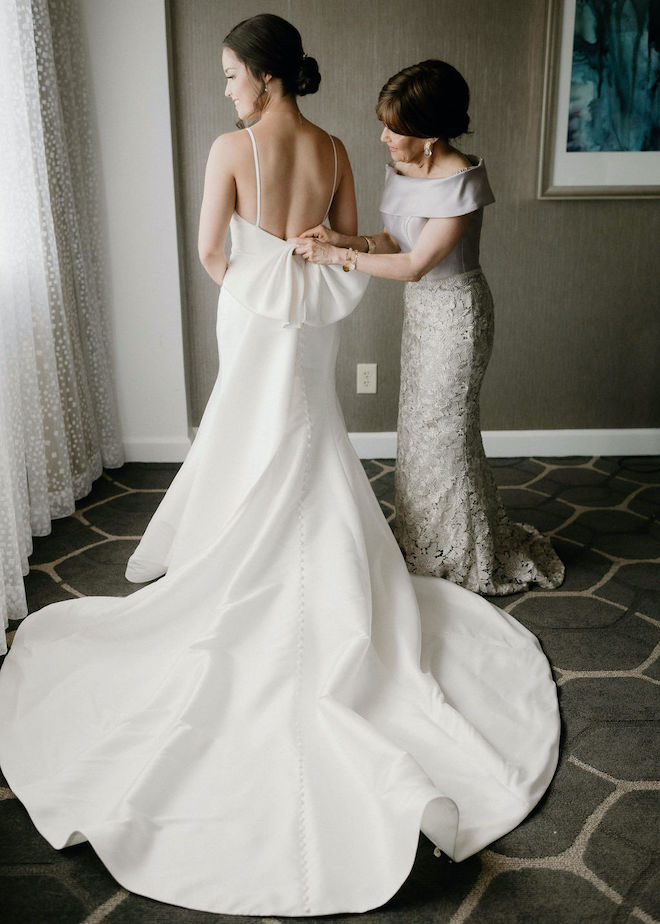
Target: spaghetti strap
(334, 179)
(256, 171)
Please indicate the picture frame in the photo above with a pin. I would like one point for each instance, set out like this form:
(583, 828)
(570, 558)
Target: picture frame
(582, 174)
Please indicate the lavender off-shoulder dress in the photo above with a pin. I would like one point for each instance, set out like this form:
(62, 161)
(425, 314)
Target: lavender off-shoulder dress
(449, 517)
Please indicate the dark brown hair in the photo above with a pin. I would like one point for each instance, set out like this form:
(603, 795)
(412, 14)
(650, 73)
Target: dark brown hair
(268, 44)
(426, 100)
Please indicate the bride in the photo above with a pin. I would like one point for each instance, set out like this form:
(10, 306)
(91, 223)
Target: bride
(266, 729)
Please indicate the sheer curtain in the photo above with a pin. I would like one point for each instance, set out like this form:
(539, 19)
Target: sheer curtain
(58, 420)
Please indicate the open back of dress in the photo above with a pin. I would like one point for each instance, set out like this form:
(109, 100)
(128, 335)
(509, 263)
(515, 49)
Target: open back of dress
(265, 729)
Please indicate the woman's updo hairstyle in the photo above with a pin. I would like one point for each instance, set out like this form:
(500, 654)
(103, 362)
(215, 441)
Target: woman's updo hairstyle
(426, 100)
(268, 44)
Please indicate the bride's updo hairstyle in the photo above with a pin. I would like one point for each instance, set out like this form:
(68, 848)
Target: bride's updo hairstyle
(268, 44)
(426, 100)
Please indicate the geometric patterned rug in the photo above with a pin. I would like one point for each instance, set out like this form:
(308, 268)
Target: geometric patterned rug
(588, 854)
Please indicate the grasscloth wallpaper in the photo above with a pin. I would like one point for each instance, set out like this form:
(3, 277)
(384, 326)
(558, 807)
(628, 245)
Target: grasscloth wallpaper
(575, 282)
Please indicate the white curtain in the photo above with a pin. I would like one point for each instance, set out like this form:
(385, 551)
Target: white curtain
(58, 421)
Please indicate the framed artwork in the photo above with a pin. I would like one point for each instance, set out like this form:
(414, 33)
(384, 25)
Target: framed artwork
(601, 102)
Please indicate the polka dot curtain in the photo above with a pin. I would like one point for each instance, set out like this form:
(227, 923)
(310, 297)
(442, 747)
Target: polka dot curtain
(58, 420)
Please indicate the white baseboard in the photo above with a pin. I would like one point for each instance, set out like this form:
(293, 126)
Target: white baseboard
(374, 445)
(507, 443)
(156, 450)
(497, 443)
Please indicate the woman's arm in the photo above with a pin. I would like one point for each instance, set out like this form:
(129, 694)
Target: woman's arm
(437, 240)
(218, 204)
(383, 242)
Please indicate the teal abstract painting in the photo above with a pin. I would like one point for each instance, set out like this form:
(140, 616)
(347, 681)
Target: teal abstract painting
(615, 77)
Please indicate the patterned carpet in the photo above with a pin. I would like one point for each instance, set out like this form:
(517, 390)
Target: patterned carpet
(589, 852)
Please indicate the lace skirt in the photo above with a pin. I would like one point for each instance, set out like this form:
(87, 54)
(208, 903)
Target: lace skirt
(450, 521)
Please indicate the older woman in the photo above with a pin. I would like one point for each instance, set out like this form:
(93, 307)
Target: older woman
(449, 518)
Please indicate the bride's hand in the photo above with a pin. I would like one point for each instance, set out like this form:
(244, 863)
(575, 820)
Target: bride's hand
(314, 251)
(326, 235)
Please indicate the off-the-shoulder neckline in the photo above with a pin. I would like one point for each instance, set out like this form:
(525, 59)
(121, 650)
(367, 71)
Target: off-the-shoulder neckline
(437, 179)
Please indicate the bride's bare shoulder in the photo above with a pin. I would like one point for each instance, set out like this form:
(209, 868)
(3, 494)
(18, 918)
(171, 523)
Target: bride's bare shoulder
(231, 141)
(343, 161)
(229, 148)
(342, 155)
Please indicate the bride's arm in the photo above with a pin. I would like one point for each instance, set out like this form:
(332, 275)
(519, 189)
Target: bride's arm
(218, 204)
(437, 240)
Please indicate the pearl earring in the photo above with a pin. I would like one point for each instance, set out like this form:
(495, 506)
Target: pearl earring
(428, 148)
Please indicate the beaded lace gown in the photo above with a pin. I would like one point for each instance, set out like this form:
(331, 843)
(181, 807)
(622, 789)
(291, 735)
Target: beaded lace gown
(450, 521)
(266, 728)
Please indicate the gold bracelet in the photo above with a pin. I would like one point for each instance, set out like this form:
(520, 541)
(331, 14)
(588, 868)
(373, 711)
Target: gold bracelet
(371, 244)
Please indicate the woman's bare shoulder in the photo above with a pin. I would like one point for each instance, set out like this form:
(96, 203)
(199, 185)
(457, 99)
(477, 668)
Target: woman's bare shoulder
(312, 126)
(230, 145)
(340, 148)
(228, 152)
(343, 160)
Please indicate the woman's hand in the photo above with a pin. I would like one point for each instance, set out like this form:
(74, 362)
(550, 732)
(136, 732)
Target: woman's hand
(326, 235)
(315, 251)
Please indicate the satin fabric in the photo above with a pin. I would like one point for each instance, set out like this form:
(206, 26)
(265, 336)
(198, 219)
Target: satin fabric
(265, 729)
(409, 201)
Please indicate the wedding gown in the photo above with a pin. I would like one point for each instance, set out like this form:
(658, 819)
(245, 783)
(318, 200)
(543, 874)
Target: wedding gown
(265, 730)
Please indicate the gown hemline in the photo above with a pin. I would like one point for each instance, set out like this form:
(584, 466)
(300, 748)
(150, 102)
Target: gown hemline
(268, 911)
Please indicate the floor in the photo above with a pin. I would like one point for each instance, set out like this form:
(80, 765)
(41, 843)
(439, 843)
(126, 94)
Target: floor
(588, 853)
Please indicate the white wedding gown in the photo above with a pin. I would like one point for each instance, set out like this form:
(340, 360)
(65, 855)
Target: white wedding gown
(266, 729)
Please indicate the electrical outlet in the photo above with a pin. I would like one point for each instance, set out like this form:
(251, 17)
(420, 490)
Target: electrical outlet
(367, 378)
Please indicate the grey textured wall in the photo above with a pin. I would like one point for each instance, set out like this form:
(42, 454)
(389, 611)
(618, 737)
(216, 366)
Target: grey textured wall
(575, 282)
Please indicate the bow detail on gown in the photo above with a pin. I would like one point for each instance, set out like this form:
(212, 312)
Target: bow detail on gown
(287, 289)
